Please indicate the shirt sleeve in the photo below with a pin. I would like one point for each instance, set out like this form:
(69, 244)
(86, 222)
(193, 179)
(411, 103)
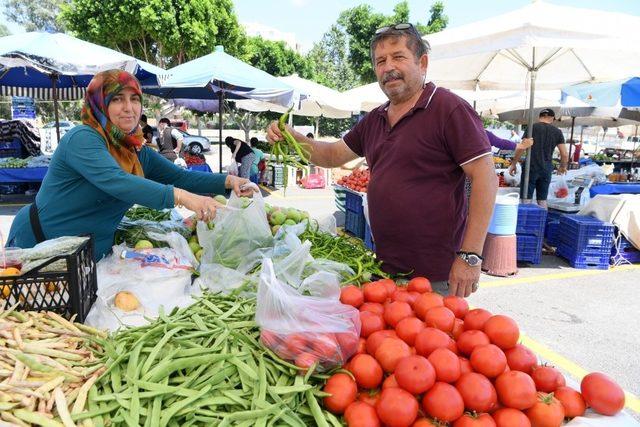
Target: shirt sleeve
(560, 137)
(163, 171)
(176, 134)
(87, 154)
(465, 136)
(502, 144)
(354, 138)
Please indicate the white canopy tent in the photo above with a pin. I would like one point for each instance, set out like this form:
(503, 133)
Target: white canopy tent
(540, 45)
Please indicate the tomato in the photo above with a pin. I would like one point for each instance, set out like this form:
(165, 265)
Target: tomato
(375, 292)
(326, 348)
(360, 414)
(369, 397)
(305, 360)
(443, 401)
(571, 400)
(408, 328)
(396, 311)
(425, 422)
(474, 420)
(425, 302)
(351, 295)
(429, 339)
(503, 331)
(366, 370)
(297, 343)
(468, 340)
(458, 328)
(370, 323)
(362, 346)
(546, 412)
(446, 364)
(397, 408)
(390, 352)
(547, 378)
(452, 346)
(376, 338)
(390, 285)
(343, 390)
(477, 392)
(441, 318)
(458, 305)
(414, 297)
(465, 365)
(488, 360)
(348, 343)
(520, 358)
(415, 374)
(475, 319)
(419, 284)
(390, 382)
(509, 417)
(602, 394)
(373, 307)
(403, 296)
(516, 390)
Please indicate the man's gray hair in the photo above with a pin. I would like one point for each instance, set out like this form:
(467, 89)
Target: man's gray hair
(415, 42)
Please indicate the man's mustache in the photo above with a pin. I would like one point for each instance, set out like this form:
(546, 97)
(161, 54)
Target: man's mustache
(391, 75)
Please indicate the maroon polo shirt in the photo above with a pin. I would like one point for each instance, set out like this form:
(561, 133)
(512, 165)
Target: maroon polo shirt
(417, 203)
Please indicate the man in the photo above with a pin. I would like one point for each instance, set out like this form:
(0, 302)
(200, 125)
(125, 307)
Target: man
(547, 137)
(166, 137)
(147, 131)
(419, 147)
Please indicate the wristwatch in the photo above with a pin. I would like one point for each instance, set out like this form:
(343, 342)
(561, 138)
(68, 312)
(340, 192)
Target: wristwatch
(471, 258)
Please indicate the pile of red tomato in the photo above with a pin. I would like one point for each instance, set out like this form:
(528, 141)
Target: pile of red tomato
(193, 159)
(427, 360)
(358, 180)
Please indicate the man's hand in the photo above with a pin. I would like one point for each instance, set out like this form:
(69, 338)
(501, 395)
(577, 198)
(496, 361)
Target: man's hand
(273, 132)
(463, 279)
(513, 169)
(240, 186)
(562, 169)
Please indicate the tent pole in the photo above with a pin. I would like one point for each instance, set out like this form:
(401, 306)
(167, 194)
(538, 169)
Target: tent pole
(54, 86)
(220, 107)
(524, 190)
(573, 122)
(317, 128)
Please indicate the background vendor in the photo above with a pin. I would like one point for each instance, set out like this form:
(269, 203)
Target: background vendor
(102, 168)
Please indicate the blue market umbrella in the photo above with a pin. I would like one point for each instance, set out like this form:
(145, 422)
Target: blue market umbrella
(625, 93)
(58, 66)
(217, 76)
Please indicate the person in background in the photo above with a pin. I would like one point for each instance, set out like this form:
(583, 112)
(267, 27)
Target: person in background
(169, 140)
(102, 168)
(310, 135)
(514, 136)
(577, 150)
(254, 176)
(242, 153)
(508, 144)
(419, 145)
(147, 131)
(547, 137)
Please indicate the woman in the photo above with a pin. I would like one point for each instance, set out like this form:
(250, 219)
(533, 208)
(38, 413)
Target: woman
(243, 154)
(102, 168)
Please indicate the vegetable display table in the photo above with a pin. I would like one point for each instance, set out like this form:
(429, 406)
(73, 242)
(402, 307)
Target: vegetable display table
(618, 188)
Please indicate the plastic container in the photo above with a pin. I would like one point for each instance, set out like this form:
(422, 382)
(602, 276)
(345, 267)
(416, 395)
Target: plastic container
(500, 255)
(580, 233)
(368, 238)
(353, 202)
(505, 215)
(529, 248)
(69, 292)
(625, 252)
(354, 223)
(340, 197)
(531, 220)
(584, 260)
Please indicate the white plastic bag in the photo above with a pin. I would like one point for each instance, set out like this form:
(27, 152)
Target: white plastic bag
(232, 168)
(560, 188)
(305, 329)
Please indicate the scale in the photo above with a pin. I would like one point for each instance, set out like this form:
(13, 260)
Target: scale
(580, 183)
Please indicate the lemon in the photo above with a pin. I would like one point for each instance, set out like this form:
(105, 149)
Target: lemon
(10, 271)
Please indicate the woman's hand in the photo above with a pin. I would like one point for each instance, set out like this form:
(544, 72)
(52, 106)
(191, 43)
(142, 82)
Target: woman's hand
(240, 186)
(203, 206)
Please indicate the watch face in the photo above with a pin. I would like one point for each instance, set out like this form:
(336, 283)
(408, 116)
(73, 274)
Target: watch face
(473, 260)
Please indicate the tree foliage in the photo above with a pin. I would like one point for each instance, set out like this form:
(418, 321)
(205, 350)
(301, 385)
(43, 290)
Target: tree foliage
(35, 15)
(276, 58)
(161, 32)
(329, 58)
(4, 31)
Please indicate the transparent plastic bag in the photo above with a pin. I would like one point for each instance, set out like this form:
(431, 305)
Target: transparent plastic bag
(238, 232)
(130, 232)
(305, 329)
(560, 188)
(232, 168)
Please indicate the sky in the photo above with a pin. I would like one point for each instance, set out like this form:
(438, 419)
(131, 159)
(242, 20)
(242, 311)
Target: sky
(308, 20)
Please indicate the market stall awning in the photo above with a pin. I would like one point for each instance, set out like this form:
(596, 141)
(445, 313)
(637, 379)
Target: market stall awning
(625, 92)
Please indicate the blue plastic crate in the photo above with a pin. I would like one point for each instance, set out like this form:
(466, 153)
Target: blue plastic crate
(529, 248)
(552, 233)
(581, 232)
(627, 252)
(354, 223)
(584, 260)
(368, 238)
(353, 202)
(531, 220)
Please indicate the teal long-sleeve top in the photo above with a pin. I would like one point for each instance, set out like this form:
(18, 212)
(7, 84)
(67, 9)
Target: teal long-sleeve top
(86, 191)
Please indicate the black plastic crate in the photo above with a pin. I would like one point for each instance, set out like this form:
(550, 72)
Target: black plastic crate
(531, 219)
(353, 202)
(354, 223)
(68, 292)
(581, 233)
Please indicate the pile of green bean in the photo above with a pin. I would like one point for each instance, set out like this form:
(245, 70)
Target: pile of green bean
(347, 250)
(202, 365)
(282, 150)
(142, 212)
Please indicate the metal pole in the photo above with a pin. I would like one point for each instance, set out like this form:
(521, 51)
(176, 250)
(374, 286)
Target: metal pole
(524, 191)
(573, 122)
(220, 107)
(54, 86)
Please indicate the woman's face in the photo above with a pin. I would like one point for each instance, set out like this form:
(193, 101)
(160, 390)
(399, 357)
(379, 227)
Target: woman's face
(125, 109)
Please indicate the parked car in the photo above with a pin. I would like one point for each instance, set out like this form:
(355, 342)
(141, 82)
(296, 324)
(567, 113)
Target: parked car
(196, 144)
(182, 125)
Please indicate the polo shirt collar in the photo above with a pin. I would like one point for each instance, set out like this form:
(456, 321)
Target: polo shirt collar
(422, 102)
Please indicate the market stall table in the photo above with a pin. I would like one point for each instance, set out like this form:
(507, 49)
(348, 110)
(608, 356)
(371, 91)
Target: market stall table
(617, 188)
(11, 175)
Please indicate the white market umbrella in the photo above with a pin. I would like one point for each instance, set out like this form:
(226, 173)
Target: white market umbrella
(540, 45)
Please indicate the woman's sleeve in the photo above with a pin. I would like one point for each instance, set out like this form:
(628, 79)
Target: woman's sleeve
(163, 171)
(502, 144)
(87, 154)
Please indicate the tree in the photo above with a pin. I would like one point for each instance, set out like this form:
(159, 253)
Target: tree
(329, 59)
(245, 120)
(276, 58)
(437, 19)
(161, 32)
(35, 15)
(4, 31)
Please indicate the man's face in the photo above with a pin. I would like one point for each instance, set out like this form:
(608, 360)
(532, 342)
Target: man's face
(161, 126)
(400, 75)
